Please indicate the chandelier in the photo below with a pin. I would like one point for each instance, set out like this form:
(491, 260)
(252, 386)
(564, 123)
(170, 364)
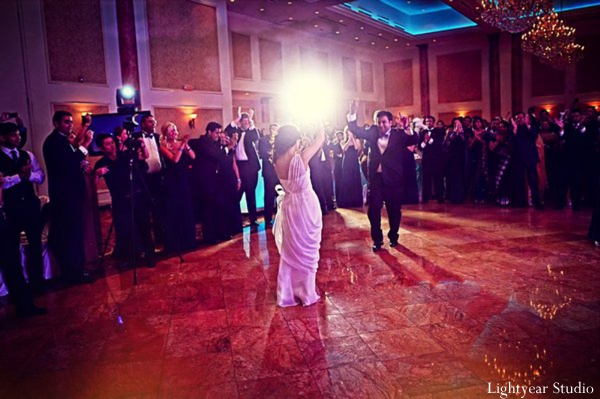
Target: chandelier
(552, 41)
(514, 15)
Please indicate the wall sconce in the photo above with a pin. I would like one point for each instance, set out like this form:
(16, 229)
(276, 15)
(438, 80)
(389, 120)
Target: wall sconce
(192, 121)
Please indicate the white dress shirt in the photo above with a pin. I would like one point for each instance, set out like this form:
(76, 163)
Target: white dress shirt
(37, 174)
(153, 161)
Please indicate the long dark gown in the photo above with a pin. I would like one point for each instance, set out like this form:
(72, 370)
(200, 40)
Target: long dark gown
(230, 219)
(179, 212)
(351, 188)
(410, 189)
(456, 151)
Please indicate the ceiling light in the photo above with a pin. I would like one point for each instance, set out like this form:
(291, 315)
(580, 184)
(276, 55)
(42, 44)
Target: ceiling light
(408, 44)
(362, 28)
(316, 12)
(434, 40)
(387, 46)
(396, 39)
(316, 25)
(381, 34)
(356, 38)
(337, 32)
(341, 21)
(261, 10)
(372, 43)
(291, 18)
(289, 3)
(514, 15)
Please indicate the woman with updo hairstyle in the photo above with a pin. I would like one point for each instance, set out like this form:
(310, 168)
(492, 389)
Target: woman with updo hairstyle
(179, 212)
(298, 223)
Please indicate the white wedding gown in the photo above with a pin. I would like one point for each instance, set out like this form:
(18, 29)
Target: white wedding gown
(297, 231)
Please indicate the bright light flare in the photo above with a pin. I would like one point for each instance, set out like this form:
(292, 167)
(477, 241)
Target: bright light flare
(127, 92)
(309, 98)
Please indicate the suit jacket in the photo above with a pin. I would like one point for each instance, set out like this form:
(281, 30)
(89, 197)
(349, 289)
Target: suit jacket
(209, 154)
(391, 159)
(66, 183)
(250, 138)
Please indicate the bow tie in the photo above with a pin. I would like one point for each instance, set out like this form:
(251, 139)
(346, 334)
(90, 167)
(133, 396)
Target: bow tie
(148, 135)
(384, 135)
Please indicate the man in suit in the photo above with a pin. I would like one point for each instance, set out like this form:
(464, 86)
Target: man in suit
(65, 155)
(210, 153)
(12, 271)
(525, 159)
(265, 151)
(21, 204)
(154, 175)
(386, 148)
(247, 159)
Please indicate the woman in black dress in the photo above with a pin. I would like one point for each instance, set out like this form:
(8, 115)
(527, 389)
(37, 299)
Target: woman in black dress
(455, 148)
(351, 187)
(179, 213)
(229, 184)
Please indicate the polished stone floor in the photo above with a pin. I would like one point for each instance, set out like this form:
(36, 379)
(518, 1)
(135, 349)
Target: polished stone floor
(473, 298)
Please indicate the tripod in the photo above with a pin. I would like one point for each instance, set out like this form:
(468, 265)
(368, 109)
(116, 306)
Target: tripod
(137, 202)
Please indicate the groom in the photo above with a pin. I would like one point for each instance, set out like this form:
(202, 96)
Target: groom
(386, 145)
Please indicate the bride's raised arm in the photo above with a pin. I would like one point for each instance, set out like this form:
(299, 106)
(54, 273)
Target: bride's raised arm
(315, 146)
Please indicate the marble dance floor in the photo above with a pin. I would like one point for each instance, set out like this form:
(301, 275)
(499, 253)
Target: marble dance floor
(473, 298)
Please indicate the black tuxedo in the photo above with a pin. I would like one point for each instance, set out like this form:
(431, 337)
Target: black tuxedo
(385, 186)
(154, 185)
(66, 186)
(248, 168)
(209, 155)
(525, 159)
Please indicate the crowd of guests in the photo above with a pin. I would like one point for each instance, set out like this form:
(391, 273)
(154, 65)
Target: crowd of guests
(163, 183)
(519, 161)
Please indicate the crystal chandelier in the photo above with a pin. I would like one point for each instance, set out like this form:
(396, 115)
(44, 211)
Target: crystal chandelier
(513, 15)
(552, 41)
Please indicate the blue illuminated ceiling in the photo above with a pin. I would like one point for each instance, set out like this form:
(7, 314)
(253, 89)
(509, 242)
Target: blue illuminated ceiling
(415, 17)
(421, 17)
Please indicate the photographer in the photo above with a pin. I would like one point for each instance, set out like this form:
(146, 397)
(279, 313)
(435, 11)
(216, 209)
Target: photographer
(65, 154)
(22, 206)
(114, 166)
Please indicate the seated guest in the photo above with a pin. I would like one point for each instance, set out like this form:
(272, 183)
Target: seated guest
(179, 212)
(114, 166)
(21, 204)
(12, 272)
(65, 154)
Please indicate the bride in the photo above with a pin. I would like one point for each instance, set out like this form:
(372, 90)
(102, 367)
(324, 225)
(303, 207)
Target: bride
(298, 223)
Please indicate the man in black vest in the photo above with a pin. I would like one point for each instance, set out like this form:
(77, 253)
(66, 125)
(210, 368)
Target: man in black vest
(386, 148)
(12, 272)
(21, 204)
(247, 159)
(65, 154)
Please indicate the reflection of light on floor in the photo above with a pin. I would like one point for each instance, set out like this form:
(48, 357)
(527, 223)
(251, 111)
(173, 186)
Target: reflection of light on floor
(501, 364)
(546, 307)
